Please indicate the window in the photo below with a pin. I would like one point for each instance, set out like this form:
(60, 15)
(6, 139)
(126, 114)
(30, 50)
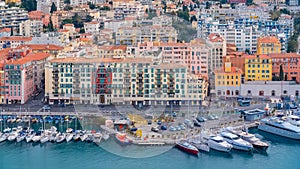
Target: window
(285, 92)
(273, 93)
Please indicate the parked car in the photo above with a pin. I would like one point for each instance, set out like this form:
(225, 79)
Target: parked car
(210, 117)
(159, 122)
(155, 129)
(172, 128)
(196, 123)
(163, 127)
(201, 119)
(149, 122)
(46, 107)
(174, 114)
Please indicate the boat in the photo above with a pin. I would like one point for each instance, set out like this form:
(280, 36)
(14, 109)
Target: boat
(236, 142)
(45, 136)
(4, 137)
(83, 136)
(293, 119)
(251, 138)
(69, 130)
(37, 137)
(21, 136)
(219, 144)
(76, 136)
(69, 137)
(29, 136)
(123, 139)
(186, 147)
(97, 138)
(13, 135)
(279, 127)
(200, 145)
(105, 136)
(90, 137)
(60, 137)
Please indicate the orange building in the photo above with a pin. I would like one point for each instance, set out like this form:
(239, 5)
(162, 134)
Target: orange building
(268, 45)
(290, 63)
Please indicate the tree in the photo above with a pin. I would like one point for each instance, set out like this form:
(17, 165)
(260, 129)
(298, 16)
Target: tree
(67, 1)
(89, 18)
(91, 5)
(29, 5)
(193, 18)
(77, 21)
(183, 14)
(281, 73)
(68, 8)
(292, 45)
(207, 5)
(285, 11)
(53, 8)
(50, 26)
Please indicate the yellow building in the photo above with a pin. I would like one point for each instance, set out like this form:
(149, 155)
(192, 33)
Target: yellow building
(228, 80)
(13, 1)
(258, 68)
(268, 45)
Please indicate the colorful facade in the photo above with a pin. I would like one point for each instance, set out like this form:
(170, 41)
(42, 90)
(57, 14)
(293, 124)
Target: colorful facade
(290, 64)
(258, 68)
(121, 81)
(228, 80)
(268, 45)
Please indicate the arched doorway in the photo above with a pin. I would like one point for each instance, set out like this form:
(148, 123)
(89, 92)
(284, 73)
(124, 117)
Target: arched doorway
(273, 93)
(261, 93)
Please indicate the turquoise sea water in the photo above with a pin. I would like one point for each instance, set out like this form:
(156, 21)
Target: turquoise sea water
(282, 154)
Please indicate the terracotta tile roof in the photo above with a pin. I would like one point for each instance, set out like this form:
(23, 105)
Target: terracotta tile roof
(268, 39)
(93, 22)
(16, 38)
(257, 56)
(63, 30)
(101, 60)
(4, 53)
(285, 55)
(5, 30)
(170, 66)
(122, 47)
(214, 37)
(233, 70)
(41, 47)
(68, 24)
(28, 58)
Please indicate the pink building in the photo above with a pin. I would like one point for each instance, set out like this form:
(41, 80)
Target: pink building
(39, 15)
(21, 76)
(194, 54)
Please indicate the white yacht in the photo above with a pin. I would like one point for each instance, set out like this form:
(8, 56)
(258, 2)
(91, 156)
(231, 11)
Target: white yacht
(29, 136)
(69, 137)
(4, 137)
(237, 142)
(293, 119)
(97, 138)
(279, 127)
(21, 137)
(60, 137)
(219, 144)
(13, 135)
(251, 138)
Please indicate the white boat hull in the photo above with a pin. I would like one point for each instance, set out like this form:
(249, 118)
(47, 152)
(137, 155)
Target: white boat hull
(280, 132)
(218, 147)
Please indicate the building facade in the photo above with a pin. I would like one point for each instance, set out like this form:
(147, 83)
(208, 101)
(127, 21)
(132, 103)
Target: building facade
(258, 68)
(121, 81)
(268, 45)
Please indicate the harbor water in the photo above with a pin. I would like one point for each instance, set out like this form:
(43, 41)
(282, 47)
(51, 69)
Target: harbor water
(282, 153)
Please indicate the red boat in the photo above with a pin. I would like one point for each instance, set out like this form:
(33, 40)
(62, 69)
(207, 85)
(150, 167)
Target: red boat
(123, 139)
(186, 147)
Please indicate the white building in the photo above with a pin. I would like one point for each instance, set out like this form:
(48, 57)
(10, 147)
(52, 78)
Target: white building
(270, 88)
(78, 2)
(92, 27)
(31, 28)
(54, 38)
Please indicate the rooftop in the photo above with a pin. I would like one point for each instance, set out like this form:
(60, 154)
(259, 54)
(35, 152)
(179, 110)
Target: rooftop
(101, 60)
(285, 55)
(16, 38)
(41, 47)
(28, 58)
(268, 39)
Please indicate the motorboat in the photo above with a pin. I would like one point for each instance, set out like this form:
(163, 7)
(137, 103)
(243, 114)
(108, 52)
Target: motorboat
(293, 119)
(97, 138)
(4, 137)
(123, 139)
(21, 136)
(90, 137)
(251, 138)
(44, 139)
(200, 145)
(60, 137)
(83, 136)
(29, 136)
(105, 136)
(37, 137)
(69, 137)
(279, 127)
(236, 142)
(69, 130)
(76, 136)
(186, 147)
(219, 144)
(13, 135)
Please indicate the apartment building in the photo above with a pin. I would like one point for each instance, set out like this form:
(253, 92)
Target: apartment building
(121, 81)
(290, 63)
(13, 41)
(134, 35)
(5, 32)
(194, 54)
(12, 17)
(31, 28)
(123, 9)
(228, 80)
(92, 27)
(268, 45)
(22, 77)
(217, 46)
(258, 68)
